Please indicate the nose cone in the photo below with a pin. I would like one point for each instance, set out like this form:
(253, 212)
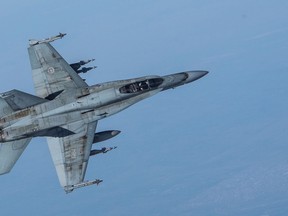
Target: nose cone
(194, 75)
(178, 79)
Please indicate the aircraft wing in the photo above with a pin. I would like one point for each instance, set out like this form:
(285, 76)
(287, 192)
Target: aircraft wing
(51, 73)
(70, 154)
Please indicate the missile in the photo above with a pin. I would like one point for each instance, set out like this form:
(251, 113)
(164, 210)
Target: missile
(33, 42)
(105, 135)
(85, 69)
(82, 184)
(103, 150)
(77, 65)
(61, 35)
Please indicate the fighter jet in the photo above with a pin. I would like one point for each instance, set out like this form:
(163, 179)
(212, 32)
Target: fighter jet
(66, 110)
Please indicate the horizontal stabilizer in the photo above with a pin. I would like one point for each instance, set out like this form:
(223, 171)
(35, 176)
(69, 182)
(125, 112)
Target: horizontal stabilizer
(10, 153)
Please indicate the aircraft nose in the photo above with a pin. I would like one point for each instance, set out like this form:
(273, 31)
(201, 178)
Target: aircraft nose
(177, 79)
(194, 75)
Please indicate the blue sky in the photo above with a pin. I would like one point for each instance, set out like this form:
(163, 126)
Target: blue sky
(215, 147)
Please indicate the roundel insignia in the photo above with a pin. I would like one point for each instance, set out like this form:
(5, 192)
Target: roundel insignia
(51, 70)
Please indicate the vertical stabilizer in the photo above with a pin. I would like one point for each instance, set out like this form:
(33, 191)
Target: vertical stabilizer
(5, 109)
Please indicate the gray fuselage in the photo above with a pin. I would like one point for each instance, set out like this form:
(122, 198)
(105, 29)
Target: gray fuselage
(89, 104)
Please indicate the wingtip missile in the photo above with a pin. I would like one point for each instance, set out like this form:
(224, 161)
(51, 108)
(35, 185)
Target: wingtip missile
(61, 35)
(70, 188)
(33, 42)
(56, 37)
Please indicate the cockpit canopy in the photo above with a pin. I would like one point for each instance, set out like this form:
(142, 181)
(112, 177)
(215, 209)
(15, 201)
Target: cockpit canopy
(141, 86)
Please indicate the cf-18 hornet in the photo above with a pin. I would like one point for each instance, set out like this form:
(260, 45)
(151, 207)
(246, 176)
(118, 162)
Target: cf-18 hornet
(66, 110)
